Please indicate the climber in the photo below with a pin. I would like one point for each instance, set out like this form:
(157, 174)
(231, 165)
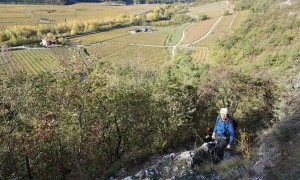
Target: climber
(224, 131)
(207, 137)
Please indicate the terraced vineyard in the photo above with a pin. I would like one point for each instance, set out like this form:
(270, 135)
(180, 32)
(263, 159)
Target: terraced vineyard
(240, 18)
(158, 36)
(144, 38)
(102, 36)
(29, 61)
(104, 51)
(35, 61)
(145, 55)
(173, 34)
(122, 54)
(210, 39)
(59, 13)
(227, 24)
(118, 46)
(198, 30)
(64, 56)
(199, 54)
(8, 22)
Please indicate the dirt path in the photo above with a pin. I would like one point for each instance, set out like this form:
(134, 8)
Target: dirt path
(210, 31)
(183, 35)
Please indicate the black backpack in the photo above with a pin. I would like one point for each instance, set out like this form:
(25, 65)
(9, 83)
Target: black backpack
(233, 121)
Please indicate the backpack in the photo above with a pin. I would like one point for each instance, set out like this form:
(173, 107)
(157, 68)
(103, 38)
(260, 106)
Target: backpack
(233, 121)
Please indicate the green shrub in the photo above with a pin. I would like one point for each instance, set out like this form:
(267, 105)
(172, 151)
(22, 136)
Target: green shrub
(182, 18)
(241, 5)
(202, 17)
(226, 13)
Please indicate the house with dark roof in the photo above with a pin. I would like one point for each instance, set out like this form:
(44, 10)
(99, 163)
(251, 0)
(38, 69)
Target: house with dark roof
(45, 20)
(139, 29)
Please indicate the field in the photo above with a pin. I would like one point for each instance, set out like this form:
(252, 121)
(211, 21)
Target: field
(29, 61)
(35, 61)
(11, 14)
(198, 30)
(144, 38)
(117, 45)
(227, 25)
(212, 10)
(102, 36)
(199, 54)
(173, 33)
(122, 36)
(160, 36)
(121, 53)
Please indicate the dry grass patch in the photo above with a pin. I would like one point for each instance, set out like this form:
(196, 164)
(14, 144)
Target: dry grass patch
(212, 10)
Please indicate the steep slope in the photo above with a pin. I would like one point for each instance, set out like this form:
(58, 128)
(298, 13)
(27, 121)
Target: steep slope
(278, 154)
(266, 46)
(279, 147)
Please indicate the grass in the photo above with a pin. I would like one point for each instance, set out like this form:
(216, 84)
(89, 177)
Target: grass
(235, 168)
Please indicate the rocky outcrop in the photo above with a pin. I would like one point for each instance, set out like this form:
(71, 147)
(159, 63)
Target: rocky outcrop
(175, 166)
(278, 154)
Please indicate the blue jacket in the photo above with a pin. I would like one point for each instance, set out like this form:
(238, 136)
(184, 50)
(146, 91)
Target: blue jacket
(225, 128)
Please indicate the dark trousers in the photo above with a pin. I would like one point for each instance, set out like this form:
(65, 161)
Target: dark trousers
(221, 144)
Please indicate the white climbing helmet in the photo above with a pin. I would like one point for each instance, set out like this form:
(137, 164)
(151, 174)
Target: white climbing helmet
(224, 111)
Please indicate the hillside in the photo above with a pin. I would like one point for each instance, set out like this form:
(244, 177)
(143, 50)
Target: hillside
(68, 2)
(111, 104)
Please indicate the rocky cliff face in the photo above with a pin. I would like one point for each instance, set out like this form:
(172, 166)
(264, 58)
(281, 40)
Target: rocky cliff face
(278, 154)
(175, 166)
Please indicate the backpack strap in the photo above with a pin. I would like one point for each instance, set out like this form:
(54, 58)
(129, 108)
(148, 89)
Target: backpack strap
(218, 119)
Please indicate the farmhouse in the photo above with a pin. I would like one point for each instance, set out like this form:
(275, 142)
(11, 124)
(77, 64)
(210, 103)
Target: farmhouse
(45, 20)
(48, 42)
(138, 29)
